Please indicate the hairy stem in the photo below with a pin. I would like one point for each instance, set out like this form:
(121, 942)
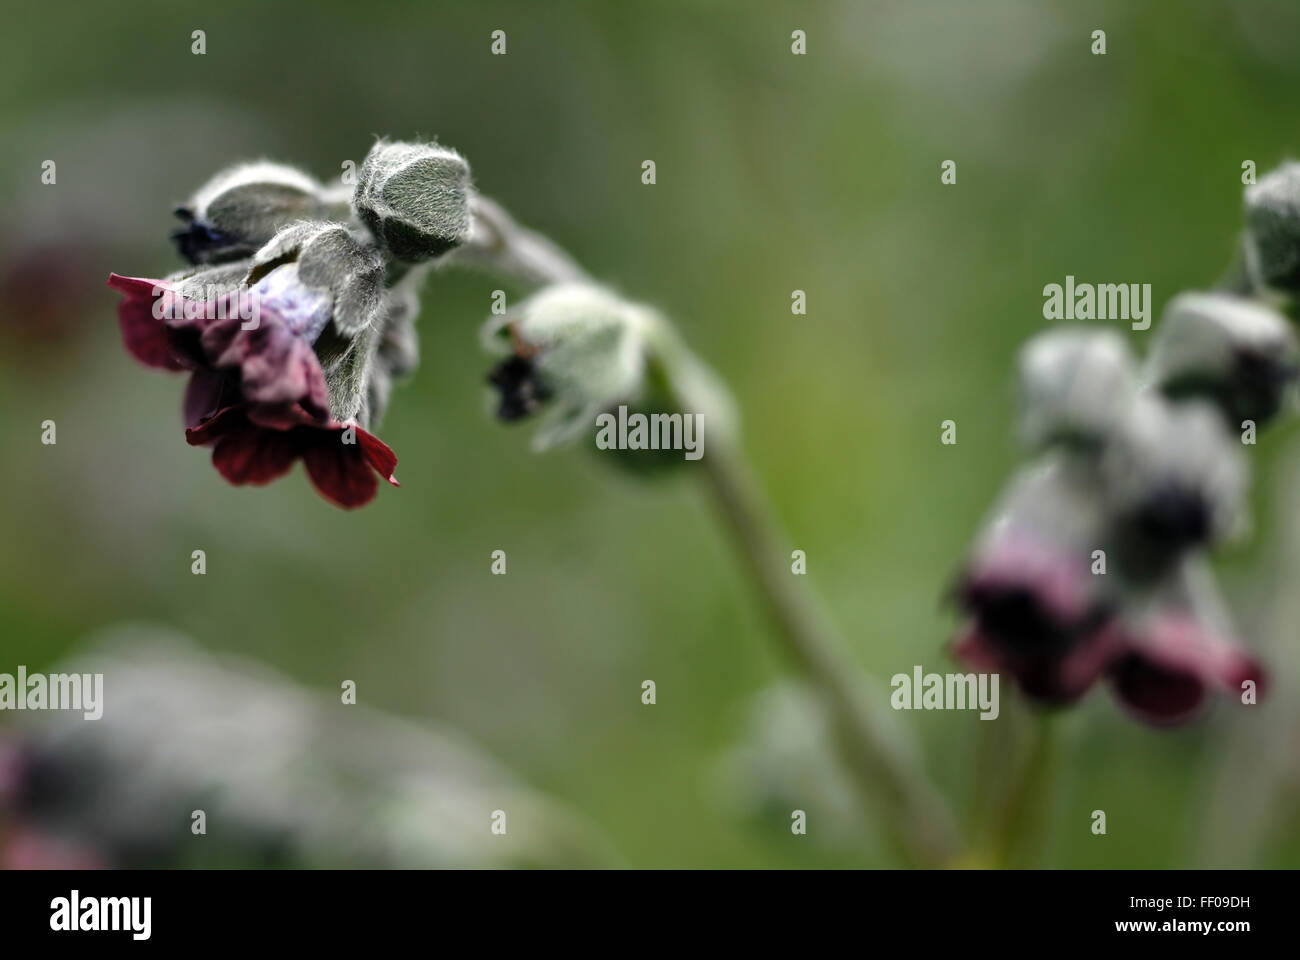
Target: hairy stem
(880, 761)
(884, 768)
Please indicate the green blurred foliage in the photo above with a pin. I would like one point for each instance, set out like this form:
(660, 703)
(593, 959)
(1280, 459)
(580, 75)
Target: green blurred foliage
(775, 172)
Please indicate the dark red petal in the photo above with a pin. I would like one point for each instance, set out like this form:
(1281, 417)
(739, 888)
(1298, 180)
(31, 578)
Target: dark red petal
(203, 396)
(1156, 695)
(339, 471)
(137, 286)
(1052, 677)
(379, 455)
(145, 335)
(223, 422)
(254, 456)
(285, 416)
(1172, 664)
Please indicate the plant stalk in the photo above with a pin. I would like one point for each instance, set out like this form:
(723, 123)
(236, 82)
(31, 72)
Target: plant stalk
(886, 770)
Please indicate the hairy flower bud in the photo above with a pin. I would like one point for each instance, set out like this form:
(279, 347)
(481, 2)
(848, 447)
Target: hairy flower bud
(576, 345)
(1175, 479)
(414, 198)
(1235, 352)
(243, 207)
(1075, 386)
(1272, 243)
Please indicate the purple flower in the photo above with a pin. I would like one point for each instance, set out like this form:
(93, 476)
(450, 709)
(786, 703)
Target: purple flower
(1036, 615)
(258, 396)
(1165, 669)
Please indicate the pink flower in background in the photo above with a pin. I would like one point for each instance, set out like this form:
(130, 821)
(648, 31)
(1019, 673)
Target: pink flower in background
(1167, 668)
(1036, 616)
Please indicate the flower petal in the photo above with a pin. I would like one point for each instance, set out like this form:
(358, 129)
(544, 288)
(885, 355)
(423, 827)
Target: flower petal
(207, 392)
(339, 471)
(145, 335)
(284, 416)
(1173, 663)
(225, 421)
(275, 365)
(254, 456)
(379, 455)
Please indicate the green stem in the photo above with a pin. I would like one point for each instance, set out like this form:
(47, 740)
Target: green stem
(886, 770)
(1021, 815)
(920, 824)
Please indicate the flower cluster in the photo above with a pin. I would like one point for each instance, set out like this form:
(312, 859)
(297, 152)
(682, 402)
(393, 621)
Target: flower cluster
(298, 313)
(1093, 563)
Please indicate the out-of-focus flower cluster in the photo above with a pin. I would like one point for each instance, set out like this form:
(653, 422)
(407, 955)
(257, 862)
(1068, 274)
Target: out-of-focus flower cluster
(297, 315)
(1093, 563)
(284, 777)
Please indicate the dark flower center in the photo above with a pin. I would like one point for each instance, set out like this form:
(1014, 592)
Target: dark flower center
(521, 386)
(1178, 517)
(199, 243)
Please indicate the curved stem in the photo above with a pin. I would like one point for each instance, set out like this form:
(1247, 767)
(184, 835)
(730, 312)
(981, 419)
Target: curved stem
(885, 770)
(1021, 815)
(881, 763)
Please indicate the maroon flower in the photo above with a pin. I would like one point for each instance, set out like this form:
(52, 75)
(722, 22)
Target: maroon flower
(257, 396)
(1168, 666)
(1037, 616)
(274, 360)
(254, 443)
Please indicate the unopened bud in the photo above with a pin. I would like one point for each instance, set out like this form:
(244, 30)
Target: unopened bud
(1273, 229)
(576, 343)
(414, 198)
(243, 207)
(1076, 385)
(1175, 478)
(1235, 352)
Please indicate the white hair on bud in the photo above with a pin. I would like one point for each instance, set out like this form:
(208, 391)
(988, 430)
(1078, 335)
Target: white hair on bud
(259, 171)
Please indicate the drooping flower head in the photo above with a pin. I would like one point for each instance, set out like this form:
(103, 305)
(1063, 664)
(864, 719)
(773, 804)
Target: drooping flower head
(1081, 572)
(575, 351)
(575, 348)
(333, 274)
(258, 393)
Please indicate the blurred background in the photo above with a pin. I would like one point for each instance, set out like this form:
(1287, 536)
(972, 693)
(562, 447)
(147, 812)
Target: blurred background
(775, 172)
